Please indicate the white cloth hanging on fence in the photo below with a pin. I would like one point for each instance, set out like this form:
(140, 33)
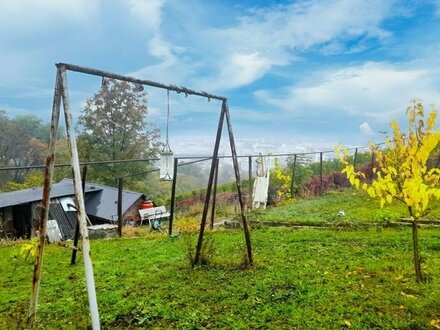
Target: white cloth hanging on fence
(261, 183)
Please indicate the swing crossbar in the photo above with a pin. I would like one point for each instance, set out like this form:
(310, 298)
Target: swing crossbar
(101, 73)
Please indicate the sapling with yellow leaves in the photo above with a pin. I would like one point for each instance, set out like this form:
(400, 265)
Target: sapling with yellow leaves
(401, 171)
(281, 182)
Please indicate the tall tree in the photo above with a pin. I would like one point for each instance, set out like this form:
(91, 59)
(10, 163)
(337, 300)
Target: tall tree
(36, 128)
(19, 143)
(402, 173)
(113, 125)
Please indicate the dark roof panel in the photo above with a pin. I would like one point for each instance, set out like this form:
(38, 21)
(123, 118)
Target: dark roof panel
(60, 189)
(104, 204)
(66, 220)
(100, 201)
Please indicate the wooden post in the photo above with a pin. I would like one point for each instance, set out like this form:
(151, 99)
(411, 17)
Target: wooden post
(93, 305)
(46, 201)
(173, 197)
(76, 237)
(209, 187)
(292, 182)
(214, 196)
(120, 187)
(238, 183)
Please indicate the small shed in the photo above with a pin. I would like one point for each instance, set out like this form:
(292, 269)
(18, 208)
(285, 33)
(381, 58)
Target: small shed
(20, 210)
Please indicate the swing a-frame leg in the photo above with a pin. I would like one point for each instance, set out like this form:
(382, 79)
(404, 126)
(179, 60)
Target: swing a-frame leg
(224, 113)
(61, 92)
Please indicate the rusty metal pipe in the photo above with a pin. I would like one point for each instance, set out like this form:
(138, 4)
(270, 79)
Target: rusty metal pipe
(46, 201)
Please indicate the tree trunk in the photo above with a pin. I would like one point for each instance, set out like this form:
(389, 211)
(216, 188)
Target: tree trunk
(415, 238)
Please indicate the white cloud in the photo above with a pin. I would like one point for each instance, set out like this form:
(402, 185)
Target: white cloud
(258, 40)
(239, 70)
(375, 89)
(168, 71)
(25, 16)
(32, 31)
(148, 11)
(277, 35)
(365, 128)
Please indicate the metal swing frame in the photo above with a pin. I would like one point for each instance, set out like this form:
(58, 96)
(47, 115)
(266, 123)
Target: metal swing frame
(61, 93)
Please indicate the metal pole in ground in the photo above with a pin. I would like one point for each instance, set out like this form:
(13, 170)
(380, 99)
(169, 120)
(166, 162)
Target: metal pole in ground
(292, 182)
(173, 197)
(251, 192)
(355, 158)
(46, 201)
(120, 187)
(90, 281)
(214, 196)
(238, 183)
(209, 187)
(320, 173)
(76, 237)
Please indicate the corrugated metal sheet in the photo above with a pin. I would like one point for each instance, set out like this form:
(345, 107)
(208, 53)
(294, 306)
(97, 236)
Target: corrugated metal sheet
(104, 204)
(60, 189)
(101, 201)
(66, 220)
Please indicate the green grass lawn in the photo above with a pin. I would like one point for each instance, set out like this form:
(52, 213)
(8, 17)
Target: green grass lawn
(302, 279)
(358, 207)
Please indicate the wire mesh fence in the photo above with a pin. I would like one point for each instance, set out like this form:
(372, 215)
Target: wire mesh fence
(307, 175)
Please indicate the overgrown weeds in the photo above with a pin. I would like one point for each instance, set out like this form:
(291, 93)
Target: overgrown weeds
(207, 251)
(305, 279)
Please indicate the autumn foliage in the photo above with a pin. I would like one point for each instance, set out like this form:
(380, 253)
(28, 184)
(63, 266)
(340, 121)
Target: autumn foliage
(401, 172)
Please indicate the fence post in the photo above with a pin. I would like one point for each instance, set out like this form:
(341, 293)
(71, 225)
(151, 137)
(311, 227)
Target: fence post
(173, 197)
(320, 173)
(355, 158)
(251, 192)
(76, 237)
(292, 182)
(373, 159)
(120, 186)
(214, 195)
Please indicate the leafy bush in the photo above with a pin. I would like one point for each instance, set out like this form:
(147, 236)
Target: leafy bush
(279, 185)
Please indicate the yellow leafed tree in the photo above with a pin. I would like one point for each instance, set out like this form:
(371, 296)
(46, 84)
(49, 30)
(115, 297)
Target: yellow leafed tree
(401, 172)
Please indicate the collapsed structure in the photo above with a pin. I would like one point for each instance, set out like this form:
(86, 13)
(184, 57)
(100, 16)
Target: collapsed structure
(20, 210)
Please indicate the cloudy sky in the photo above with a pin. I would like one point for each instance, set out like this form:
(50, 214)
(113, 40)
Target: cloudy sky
(299, 71)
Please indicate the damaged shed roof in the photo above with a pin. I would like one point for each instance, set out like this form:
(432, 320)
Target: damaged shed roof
(100, 201)
(60, 189)
(104, 204)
